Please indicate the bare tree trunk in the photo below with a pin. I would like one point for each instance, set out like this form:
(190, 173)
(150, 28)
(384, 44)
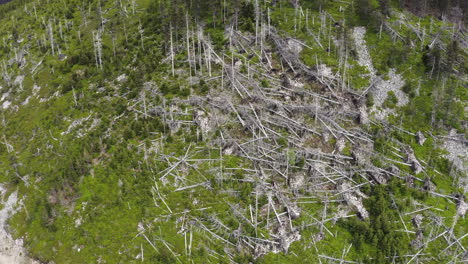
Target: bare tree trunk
(188, 44)
(256, 21)
(51, 38)
(199, 53)
(141, 31)
(97, 41)
(172, 55)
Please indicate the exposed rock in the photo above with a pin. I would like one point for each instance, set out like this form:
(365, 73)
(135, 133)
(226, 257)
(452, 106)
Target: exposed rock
(294, 46)
(11, 250)
(417, 220)
(229, 147)
(296, 84)
(418, 241)
(35, 90)
(378, 176)
(411, 159)
(352, 200)
(296, 181)
(26, 101)
(76, 123)
(462, 207)
(326, 136)
(381, 88)
(420, 138)
(238, 64)
(294, 210)
(122, 78)
(325, 71)
(19, 81)
(203, 121)
(457, 148)
(364, 58)
(193, 80)
(428, 185)
(318, 237)
(287, 237)
(4, 96)
(62, 57)
(363, 115)
(340, 144)
(362, 152)
(6, 104)
(77, 248)
(78, 221)
(284, 240)
(393, 171)
(360, 156)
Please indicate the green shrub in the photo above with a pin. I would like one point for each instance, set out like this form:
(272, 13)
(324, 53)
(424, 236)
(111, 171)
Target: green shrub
(391, 100)
(370, 100)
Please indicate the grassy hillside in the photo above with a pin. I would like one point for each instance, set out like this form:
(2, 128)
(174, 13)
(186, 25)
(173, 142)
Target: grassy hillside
(235, 131)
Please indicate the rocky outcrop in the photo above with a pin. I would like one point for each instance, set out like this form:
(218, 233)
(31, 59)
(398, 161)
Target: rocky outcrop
(457, 152)
(417, 220)
(420, 138)
(352, 199)
(462, 207)
(11, 250)
(415, 164)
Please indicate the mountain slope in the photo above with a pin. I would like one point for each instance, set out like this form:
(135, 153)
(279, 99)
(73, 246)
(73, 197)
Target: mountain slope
(237, 131)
